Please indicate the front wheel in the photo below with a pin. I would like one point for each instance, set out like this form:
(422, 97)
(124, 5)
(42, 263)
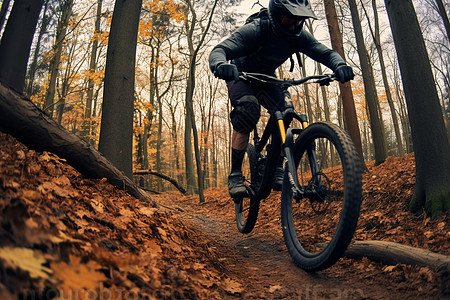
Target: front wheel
(318, 226)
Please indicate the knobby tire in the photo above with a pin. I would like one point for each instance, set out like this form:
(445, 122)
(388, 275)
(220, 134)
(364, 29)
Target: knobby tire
(296, 238)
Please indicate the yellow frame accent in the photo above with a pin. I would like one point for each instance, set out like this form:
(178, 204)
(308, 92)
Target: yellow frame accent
(282, 130)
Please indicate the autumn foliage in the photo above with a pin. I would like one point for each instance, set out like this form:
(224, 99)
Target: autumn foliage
(67, 236)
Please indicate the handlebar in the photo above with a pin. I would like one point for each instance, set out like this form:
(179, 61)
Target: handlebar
(325, 79)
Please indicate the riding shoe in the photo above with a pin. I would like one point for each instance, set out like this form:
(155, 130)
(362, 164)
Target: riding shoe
(277, 183)
(236, 186)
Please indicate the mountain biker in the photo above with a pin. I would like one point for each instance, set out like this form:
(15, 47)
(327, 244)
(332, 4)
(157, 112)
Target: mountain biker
(252, 48)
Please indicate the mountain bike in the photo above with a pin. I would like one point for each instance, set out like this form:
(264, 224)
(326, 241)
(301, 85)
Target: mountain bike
(321, 191)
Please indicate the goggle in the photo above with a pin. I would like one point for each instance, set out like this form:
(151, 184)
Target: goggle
(291, 23)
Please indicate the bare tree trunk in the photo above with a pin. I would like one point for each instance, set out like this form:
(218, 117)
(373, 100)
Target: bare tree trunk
(403, 114)
(307, 98)
(34, 63)
(116, 133)
(214, 154)
(70, 67)
(377, 42)
(3, 12)
(339, 112)
(346, 92)
(326, 108)
(66, 7)
(16, 42)
(366, 143)
(376, 124)
(444, 16)
(160, 120)
(175, 143)
(190, 118)
(87, 127)
(432, 151)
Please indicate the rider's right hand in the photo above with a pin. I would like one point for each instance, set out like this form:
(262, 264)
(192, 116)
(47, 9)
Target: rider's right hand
(227, 72)
(344, 73)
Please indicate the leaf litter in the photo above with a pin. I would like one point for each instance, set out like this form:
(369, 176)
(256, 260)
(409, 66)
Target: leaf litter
(63, 235)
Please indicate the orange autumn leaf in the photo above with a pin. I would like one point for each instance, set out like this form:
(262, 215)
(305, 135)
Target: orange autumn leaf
(76, 276)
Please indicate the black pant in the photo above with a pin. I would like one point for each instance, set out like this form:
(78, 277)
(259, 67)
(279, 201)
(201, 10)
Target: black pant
(245, 114)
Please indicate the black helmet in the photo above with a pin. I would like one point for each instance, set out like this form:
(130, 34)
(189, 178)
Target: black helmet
(288, 16)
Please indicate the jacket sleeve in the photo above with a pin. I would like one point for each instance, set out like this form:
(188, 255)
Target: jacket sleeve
(319, 52)
(243, 41)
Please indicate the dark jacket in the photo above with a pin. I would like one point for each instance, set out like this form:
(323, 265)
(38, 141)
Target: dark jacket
(251, 52)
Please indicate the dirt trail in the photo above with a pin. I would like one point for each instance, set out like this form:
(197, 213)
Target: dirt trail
(260, 259)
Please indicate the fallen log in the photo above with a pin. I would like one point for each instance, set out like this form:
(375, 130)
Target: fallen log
(391, 253)
(26, 122)
(165, 177)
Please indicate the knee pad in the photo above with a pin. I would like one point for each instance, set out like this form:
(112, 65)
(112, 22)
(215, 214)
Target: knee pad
(245, 114)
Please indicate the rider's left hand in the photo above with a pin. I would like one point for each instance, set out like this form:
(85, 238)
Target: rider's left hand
(344, 73)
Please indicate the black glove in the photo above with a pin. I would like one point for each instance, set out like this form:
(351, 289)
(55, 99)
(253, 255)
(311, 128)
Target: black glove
(227, 72)
(344, 73)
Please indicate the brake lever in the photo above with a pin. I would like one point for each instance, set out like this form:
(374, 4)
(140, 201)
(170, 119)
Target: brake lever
(326, 80)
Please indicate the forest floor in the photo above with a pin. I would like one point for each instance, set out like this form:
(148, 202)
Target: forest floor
(62, 235)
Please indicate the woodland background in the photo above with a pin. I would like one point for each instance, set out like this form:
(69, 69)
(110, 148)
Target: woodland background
(132, 80)
(180, 123)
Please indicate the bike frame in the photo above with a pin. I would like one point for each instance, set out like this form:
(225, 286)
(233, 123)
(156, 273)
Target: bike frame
(282, 139)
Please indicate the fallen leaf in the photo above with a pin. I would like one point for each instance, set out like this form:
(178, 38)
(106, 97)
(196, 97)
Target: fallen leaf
(147, 211)
(232, 287)
(388, 269)
(20, 154)
(77, 276)
(274, 288)
(127, 213)
(62, 181)
(26, 259)
(97, 206)
(48, 156)
(31, 195)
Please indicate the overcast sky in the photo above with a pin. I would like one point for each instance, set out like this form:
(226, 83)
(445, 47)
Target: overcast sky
(246, 5)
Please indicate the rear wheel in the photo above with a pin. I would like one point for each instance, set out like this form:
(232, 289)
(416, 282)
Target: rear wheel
(247, 208)
(318, 227)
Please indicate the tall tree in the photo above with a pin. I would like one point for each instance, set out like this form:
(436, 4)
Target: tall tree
(190, 126)
(34, 62)
(3, 12)
(16, 42)
(376, 124)
(444, 16)
(346, 91)
(430, 142)
(377, 41)
(61, 30)
(87, 126)
(116, 132)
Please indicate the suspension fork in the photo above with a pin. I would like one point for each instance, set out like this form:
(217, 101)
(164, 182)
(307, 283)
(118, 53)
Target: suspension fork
(290, 167)
(287, 137)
